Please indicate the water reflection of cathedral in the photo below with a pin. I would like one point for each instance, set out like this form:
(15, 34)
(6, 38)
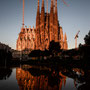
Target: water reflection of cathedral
(51, 81)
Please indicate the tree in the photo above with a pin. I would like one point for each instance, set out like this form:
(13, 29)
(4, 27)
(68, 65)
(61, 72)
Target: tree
(35, 53)
(54, 47)
(87, 39)
(5, 73)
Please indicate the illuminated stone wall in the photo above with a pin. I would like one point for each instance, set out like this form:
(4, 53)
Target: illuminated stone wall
(26, 39)
(47, 29)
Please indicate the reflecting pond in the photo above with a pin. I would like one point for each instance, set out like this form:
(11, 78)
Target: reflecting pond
(28, 77)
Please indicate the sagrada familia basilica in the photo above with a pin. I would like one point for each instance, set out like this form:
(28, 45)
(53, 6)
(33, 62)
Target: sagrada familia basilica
(47, 29)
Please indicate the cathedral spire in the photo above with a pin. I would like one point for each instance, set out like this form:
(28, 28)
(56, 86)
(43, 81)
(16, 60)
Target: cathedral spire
(51, 3)
(51, 12)
(42, 3)
(37, 42)
(61, 37)
(38, 6)
(42, 12)
(65, 37)
(65, 42)
(55, 5)
(38, 15)
(61, 34)
(56, 13)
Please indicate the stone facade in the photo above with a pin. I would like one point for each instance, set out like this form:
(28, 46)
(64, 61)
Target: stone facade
(47, 29)
(26, 39)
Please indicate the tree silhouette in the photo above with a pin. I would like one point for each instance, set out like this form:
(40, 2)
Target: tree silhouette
(5, 73)
(87, 39)
(54, 47)
(35, 53)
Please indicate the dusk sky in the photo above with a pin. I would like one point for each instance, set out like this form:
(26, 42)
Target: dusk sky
(74, 17)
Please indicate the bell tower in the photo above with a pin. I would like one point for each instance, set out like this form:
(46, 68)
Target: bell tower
(42, 26)
(51, 33)
(38, 27)
(56, 23)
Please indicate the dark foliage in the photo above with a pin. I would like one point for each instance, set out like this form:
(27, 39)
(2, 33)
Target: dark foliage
(87, 39)
(84, 50)
(5, 73)
(45, 53)
(5, 57)
(54, 47)
(35, 53)
(38, 53)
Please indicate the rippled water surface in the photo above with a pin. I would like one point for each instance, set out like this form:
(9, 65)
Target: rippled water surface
(28, 77)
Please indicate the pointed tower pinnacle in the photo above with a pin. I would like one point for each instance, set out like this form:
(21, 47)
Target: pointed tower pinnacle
(65, 37)
(51, 12)
(61, 37)
(61, 34)
(65, 42)
(51, 3)
(42, 12)
(37, 42)
(56, 13)
(55, 5)
(38, 15)
(42, 3)
(38, 7)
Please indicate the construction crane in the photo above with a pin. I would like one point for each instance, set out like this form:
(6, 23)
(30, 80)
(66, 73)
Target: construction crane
(54, 4)
(65, 3)
(76, 36)
(23, 15)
